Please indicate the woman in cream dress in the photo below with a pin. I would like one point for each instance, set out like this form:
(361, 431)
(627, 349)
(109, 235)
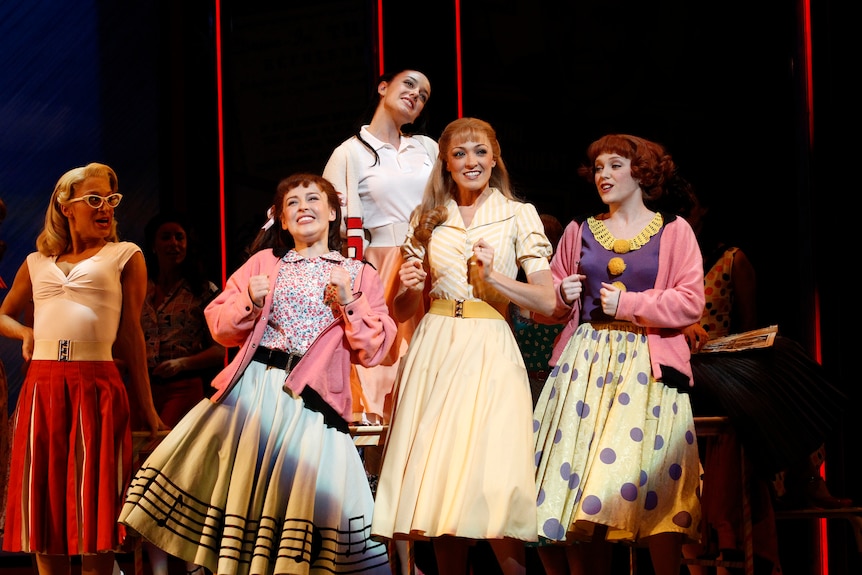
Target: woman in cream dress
(457, 465)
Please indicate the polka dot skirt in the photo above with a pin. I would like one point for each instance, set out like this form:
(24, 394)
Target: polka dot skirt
(613, 446)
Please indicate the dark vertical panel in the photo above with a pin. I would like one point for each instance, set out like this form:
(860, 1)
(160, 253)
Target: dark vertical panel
(714, 84)
(423, 37)
(835, 228)
(188, 118)
(296, 79)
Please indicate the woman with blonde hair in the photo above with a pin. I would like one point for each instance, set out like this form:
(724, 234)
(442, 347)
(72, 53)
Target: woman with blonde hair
(72, 442)
(457, 464)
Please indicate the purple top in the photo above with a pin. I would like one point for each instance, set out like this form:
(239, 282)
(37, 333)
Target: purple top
(639, 274)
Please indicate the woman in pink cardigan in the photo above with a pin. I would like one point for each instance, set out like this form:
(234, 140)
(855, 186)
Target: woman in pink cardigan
(264, 476)
(616, 453)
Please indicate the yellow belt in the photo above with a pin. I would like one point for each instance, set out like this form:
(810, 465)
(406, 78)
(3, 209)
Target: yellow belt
(462, 308)
(68, 350)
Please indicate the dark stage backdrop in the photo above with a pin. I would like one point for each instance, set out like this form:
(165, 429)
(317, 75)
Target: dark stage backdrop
(78, 83)
(134, 85)
(714, 87)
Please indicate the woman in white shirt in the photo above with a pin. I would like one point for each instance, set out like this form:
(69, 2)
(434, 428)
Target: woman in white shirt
(381, 172)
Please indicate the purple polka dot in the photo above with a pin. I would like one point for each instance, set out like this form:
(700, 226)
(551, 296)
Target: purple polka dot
(594, 336)
(566, 474)
(608, 455)
(683, 519)
(630, 337)
(643, 478)
(621, 357)
(553, 393)
(558, 436)
(587, 355)
(566, 367)
(553, 530)
(538, 457)
(582, 409)
(600, 382)
(609, 378)
(629, 491)
(591, 505)
(540, 498)
(689, 437)
(656, 411)
(643, 338)
(659, 442)
(574, 375)
(675, 408)
(556, 370)
(636, 434)
(595, 357)
(624, 398)
(675, 471)
(643, 379)
(634, 354)
(651, 500)
(536, 425)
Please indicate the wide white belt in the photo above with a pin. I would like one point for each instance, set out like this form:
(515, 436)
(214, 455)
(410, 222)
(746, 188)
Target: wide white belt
(69, 350)
(389, 235)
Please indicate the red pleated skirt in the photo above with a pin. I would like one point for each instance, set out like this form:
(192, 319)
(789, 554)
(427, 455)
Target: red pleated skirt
(71, 459)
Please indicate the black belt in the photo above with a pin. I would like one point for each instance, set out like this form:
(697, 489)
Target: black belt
(311, 399)
(276, 358)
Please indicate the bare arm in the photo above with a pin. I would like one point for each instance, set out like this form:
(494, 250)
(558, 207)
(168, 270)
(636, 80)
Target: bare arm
(213, 356)
(412, 280)
(536, 294)
(16, 304)
(130, 346)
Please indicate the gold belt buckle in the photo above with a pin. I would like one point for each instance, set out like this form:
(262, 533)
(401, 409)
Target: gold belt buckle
(64, 350)
(459, 308)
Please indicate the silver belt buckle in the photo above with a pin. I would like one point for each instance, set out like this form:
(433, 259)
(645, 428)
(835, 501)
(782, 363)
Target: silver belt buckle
(459, 308)
(64, 350)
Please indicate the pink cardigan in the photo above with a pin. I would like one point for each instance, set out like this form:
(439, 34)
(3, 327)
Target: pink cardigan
(363, 334)
(676, 301)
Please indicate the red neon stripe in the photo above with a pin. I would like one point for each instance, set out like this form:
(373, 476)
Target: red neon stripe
(458, 58)
(823, 535)
(380, 68)
(809, 82)
(220, 120)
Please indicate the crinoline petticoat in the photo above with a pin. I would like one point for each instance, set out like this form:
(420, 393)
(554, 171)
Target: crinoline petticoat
(781, 402)
(257, 484)
(614, 446)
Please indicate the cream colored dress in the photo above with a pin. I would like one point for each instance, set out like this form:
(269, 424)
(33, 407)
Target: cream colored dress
(458, 457)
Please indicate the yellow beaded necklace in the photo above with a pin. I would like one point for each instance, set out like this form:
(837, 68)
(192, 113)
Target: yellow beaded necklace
(616, 265)
(607, 240)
